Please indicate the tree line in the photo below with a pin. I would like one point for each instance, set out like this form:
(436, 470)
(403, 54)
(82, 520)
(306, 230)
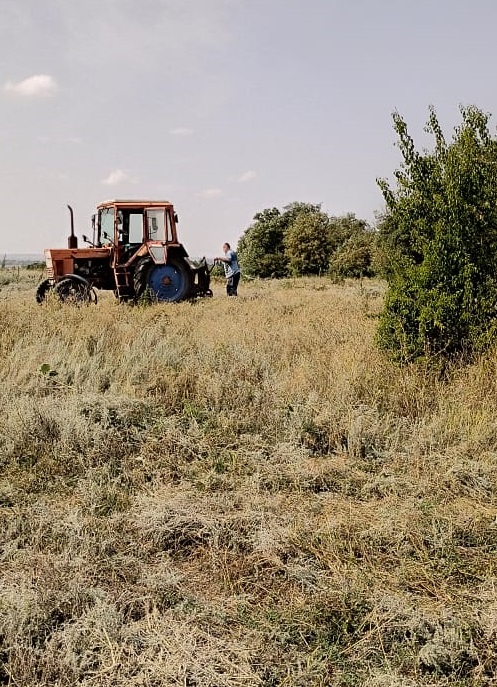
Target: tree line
(302, 240)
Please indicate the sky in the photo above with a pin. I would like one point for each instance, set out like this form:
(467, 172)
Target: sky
(223, 107)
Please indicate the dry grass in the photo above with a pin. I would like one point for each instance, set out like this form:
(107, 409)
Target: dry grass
(240, 492)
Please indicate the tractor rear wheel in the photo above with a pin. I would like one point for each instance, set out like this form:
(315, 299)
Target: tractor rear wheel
(168, 283)
(71, 290)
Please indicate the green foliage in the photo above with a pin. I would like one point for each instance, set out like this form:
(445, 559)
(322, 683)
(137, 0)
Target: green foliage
(296, 209)
(439, 242)
(308, 244)
(217, 270)
(343, 228)
(354, 258)
(260, 250)
(45, 369)
(300, 240)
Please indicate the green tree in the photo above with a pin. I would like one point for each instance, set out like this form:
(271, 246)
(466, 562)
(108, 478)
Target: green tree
(261, 249)
(439, 242)
(343, 228)
(298, 240)
(355, 257)
(297, 209)
(308, 243)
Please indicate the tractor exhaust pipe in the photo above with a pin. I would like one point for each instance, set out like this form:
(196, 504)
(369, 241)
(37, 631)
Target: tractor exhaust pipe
(72, 240)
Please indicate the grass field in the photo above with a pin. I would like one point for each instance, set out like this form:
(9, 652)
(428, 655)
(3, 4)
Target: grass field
(240, 492)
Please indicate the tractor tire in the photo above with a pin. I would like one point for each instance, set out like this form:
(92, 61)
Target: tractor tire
(74, 291)
(140, 277)
(42, 290)
(167, 283)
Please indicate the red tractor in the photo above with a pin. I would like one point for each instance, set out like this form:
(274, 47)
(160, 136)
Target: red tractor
(134, 252)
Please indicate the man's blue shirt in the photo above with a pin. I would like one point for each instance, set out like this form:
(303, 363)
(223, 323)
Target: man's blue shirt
(231, 267)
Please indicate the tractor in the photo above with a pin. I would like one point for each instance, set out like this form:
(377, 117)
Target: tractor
(134, 252)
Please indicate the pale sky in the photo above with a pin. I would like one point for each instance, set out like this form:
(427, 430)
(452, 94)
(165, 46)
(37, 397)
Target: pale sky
(224, 107)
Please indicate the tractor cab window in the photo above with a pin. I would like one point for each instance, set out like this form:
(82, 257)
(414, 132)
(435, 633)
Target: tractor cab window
(134, 226)
(130, 227)
(159, 225)
(169, 231)
(106, 226)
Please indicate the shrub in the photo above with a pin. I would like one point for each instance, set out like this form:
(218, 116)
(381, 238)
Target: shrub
(355, 257)
(308, 244)
(439, 241)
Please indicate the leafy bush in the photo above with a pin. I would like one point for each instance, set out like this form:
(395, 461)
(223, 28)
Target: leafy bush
(439, 243)
(355, 257)
(260, 250)
(308, 244)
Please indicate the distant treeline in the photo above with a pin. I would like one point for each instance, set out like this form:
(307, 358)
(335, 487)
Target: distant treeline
(28, 262)
(302, 240)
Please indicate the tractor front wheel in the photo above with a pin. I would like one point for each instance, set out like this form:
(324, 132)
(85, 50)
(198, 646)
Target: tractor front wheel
(71, 290)
(42, 290)
(167, 283)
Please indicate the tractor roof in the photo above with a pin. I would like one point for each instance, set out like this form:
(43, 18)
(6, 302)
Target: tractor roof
(137, 203)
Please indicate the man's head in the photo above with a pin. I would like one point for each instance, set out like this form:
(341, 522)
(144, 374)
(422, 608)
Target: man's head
(226, 247)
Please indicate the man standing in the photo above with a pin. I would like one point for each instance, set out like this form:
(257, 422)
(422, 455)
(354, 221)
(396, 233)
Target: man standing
(231, 269)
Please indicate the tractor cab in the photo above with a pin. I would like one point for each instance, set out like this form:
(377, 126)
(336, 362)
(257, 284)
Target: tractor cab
(137, 228)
